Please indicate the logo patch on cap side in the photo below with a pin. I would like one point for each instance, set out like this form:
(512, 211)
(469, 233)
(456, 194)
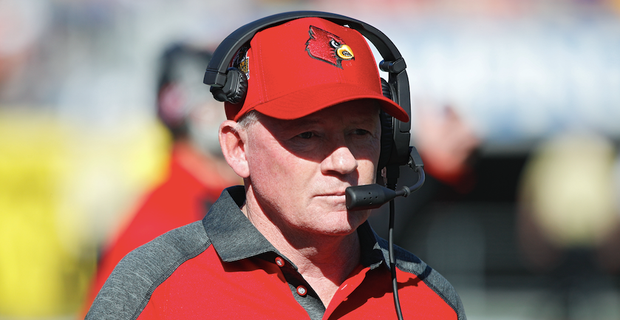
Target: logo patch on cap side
(328, 47)
(241, 60)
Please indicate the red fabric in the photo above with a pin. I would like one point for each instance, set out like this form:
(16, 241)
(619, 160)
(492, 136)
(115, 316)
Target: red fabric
(314, 61)
(206, 287)
(179, 200)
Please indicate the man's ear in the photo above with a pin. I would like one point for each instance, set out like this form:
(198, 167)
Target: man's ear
(232, 142)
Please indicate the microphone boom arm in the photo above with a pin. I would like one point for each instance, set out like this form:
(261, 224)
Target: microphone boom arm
(373, 196)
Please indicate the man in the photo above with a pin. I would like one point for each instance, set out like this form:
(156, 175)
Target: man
(285, 245)
(197, 172)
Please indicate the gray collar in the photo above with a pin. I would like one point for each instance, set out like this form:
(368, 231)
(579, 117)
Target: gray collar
(235, 238)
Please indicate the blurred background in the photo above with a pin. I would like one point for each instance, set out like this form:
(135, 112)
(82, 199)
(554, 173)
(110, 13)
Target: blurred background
(516, 112)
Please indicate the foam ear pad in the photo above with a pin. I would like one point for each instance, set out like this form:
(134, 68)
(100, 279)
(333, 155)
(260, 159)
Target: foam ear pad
(236, 86)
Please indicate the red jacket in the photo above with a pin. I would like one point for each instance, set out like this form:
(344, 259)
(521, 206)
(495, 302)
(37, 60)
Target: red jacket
(181, 199)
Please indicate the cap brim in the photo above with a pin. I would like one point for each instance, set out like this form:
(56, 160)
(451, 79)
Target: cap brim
(309, 100)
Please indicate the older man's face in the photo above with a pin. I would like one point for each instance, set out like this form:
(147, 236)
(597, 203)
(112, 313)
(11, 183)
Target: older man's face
(299, 169)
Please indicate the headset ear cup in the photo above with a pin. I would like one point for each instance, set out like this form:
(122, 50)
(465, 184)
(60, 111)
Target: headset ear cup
(386, 140)
(236, 86)
(386, 130)
(386, 89)
(218, 94)
(234, 90)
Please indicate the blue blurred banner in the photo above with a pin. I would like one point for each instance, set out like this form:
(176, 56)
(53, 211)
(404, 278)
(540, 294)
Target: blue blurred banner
(523, 78)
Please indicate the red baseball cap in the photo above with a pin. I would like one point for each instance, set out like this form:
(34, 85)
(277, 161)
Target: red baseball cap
(306, 65)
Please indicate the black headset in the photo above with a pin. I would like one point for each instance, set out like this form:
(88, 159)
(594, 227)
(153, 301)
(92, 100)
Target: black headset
(230, 84)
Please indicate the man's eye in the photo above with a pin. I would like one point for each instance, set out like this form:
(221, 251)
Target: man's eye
(306, 135)
(361, 132)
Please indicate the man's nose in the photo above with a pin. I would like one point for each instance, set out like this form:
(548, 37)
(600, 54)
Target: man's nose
(341, 160)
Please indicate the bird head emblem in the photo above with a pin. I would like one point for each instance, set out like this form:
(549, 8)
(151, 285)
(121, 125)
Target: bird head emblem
(327, 47)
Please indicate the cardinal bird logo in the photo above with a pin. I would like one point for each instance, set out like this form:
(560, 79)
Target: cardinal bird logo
(327, 47)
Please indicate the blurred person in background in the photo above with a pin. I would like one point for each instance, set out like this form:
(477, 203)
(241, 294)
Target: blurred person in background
(448, 145)
(197, 171)
(609, 251)
(22, 24)
(569, 218)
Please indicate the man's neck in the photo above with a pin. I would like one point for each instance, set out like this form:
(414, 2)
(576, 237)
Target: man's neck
(325, 261)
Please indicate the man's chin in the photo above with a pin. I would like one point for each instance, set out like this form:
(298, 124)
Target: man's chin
(353, 221)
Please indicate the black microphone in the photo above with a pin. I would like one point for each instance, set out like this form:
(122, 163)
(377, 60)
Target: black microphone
(368, 196)
(373, 196)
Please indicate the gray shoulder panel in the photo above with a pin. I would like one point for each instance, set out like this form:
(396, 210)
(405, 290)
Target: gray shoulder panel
(444, 289)
(408, 262)
(129, 287)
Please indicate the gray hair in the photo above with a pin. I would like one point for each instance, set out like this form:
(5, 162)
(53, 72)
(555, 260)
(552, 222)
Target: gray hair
(249, 119)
